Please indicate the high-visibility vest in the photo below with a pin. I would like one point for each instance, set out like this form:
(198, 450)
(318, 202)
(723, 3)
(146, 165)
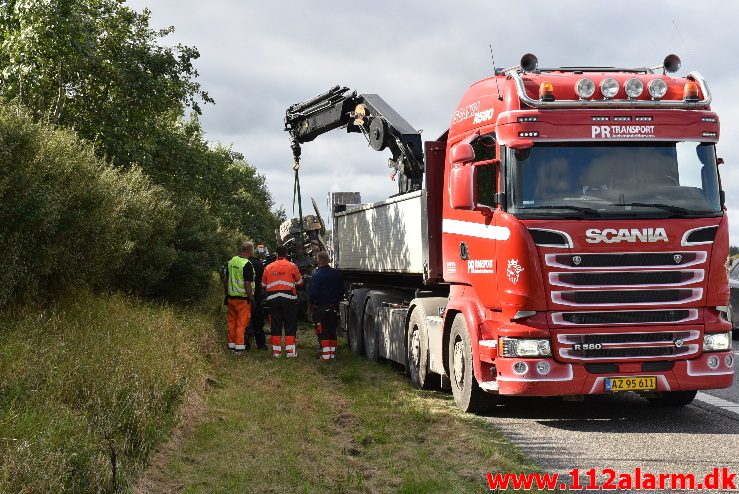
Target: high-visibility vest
(280, 279)
(236, 286)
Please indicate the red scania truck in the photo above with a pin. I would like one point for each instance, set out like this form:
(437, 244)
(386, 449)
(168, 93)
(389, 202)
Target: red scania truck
(566, 236)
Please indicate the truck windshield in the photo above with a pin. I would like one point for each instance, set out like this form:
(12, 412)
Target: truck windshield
(614, 180)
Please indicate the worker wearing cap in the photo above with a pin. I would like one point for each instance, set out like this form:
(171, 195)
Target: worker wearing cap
(326, 291)
(239, 295)
(280, 281)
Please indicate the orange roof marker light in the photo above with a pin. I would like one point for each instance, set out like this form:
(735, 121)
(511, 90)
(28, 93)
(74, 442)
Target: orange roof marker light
(690, 92)
(546, 91)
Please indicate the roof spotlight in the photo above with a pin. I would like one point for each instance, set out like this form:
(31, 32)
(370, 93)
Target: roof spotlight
(585, 88)
(609, 87)
(657, 88)
(633, 87)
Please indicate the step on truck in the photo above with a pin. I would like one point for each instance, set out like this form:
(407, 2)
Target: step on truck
(566, 236)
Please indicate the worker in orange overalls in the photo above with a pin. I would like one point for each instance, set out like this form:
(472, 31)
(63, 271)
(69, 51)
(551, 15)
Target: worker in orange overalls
(280, 281)
(239, 296)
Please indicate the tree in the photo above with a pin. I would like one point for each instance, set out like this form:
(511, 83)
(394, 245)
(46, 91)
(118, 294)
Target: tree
(734, 250)
(96, 66)
(235, 192)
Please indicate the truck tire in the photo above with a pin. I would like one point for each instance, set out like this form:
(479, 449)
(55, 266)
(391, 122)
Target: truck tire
(674, 398)
(354, 324)
(467, 394)
(417, 347)
(369, 330)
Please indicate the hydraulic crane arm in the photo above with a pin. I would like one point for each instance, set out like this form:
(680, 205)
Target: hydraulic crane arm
(366, 113)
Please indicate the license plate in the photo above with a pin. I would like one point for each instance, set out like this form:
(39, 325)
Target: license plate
(637, 383)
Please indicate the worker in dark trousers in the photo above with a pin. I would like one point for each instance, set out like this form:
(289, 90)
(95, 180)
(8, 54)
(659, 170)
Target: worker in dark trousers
(280, 282)
(256, 327)
(326, 291)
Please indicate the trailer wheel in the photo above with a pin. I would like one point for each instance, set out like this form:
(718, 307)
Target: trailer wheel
(417, 346)
(354, 326)
(674, 398)
(467, 394)
(369, 331)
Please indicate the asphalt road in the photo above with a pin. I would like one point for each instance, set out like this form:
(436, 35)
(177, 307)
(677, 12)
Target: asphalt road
(623, 432)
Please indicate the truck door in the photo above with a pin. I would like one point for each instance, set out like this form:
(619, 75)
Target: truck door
(470, 236)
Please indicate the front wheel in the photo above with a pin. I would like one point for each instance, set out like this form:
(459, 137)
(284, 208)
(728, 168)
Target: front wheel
(674, 398)
(417, 358)
(467, 393)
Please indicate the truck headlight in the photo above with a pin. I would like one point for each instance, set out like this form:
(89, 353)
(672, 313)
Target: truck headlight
(717, 342)
(518, 347)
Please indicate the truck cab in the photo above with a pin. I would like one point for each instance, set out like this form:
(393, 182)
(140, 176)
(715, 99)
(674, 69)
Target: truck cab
(566, 236)
(584, 233)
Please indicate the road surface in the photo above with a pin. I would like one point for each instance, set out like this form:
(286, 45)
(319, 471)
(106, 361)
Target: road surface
(623, 432)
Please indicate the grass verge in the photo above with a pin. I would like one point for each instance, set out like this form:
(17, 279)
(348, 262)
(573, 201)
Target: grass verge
(298, 425)
(88, 388)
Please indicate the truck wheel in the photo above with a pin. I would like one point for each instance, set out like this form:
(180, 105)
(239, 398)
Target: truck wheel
(673, 398)
(354, 326)
(467, 394)
(417, 346)
(369, 332)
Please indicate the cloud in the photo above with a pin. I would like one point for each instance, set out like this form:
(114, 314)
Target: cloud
(260, 57)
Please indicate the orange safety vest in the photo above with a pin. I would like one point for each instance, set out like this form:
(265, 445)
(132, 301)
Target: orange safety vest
(280, 279)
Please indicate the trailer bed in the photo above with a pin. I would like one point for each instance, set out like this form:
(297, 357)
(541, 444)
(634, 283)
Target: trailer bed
(384, 237)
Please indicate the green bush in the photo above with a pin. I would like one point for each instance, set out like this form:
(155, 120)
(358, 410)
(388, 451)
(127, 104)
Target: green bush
(89, 381)
(201, 247)
(67, 219)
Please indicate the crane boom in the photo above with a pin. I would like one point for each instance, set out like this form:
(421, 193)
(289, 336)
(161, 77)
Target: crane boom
(369, 114)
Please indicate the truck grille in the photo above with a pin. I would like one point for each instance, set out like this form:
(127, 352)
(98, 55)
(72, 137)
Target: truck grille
(625, 317)
(618, 278)
(608, 353)
(629, 338)
(647, 278)
(613, 297)
(629, 345)
(634, 259)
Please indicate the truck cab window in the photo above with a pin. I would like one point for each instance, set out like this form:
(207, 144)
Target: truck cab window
(616, 179)
(484, 147)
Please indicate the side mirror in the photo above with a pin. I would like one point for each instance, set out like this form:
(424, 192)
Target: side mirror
(719, 161)
(461, 153)
(462, 187)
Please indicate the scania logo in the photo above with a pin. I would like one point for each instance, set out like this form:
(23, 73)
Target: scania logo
(611, 235)
(678, 258)
(678, 343)
(576, 260)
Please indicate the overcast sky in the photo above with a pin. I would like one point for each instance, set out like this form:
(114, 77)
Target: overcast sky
(259, 57)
